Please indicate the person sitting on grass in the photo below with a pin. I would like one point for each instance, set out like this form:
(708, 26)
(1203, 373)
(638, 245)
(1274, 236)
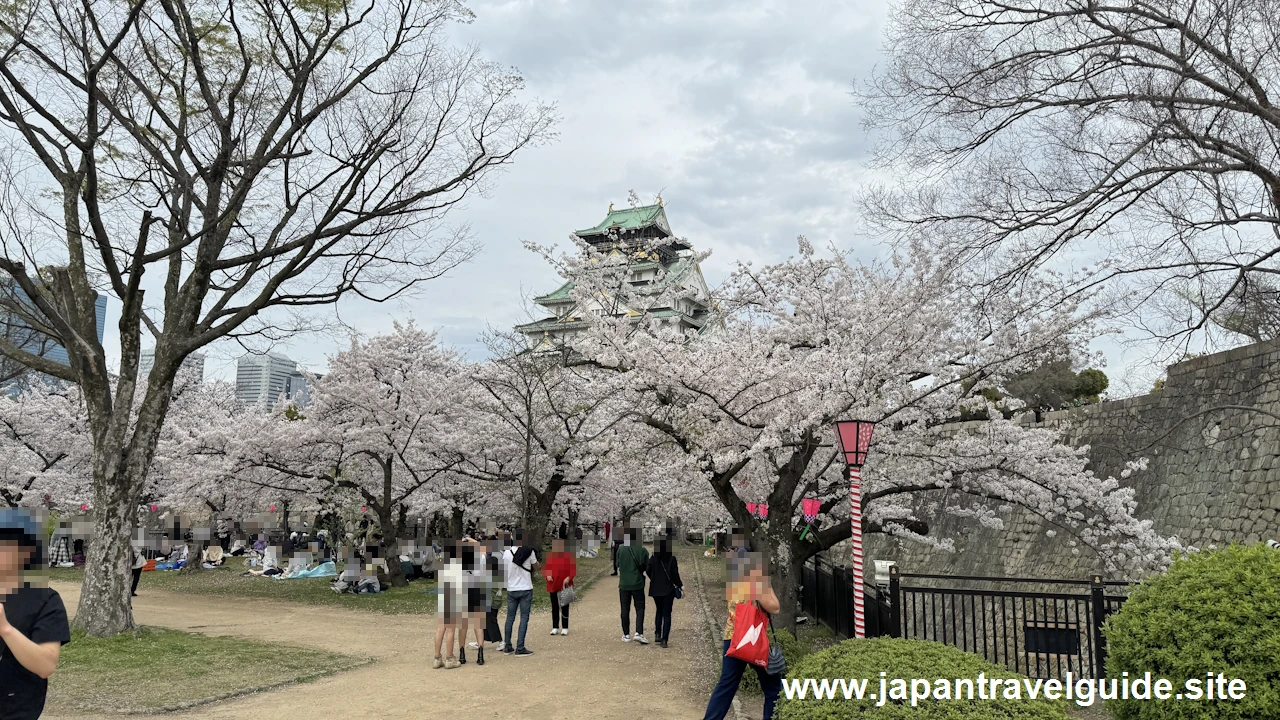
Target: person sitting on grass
(33, 620)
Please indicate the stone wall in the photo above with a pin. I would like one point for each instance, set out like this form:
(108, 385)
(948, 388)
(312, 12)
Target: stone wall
(1213, 478)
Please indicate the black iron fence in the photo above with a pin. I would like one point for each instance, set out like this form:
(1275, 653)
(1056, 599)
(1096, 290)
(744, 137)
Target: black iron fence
(1024, 624)
(826, 595)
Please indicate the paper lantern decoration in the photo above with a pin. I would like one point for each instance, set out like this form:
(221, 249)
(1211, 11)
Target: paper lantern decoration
(154, 508)
(811, 507)
(764, 510)
(84, 507)
(273, 508)
(364, 508)
(751, 508)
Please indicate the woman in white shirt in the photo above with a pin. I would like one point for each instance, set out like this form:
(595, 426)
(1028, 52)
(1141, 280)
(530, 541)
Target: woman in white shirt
(451, 602)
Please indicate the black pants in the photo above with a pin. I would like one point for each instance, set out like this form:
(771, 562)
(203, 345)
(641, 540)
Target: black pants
(626, 598)
(662, 616)
(137, 575)
(557, 612)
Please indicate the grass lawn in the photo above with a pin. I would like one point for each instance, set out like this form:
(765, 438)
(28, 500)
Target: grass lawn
(418, 598)
(156, 669)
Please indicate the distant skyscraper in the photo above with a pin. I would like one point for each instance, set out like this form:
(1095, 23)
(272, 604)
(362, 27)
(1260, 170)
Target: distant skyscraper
(194, 364)
(264, 378)
(20, 333)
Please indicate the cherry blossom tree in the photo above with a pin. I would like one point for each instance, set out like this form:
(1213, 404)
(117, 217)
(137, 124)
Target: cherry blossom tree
(819, 338)
(45, 446)
(539, 426)
(376, 428)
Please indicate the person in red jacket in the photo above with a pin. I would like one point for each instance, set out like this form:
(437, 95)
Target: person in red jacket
(560, 570)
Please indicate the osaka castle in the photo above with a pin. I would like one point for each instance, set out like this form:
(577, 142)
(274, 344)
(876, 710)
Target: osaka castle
(666, 283)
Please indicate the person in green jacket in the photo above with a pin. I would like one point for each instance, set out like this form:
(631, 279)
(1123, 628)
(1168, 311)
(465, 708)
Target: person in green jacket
(633, 560)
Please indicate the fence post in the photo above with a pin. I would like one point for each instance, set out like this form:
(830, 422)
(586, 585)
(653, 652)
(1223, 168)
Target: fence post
(895, 602)
(1097, 592)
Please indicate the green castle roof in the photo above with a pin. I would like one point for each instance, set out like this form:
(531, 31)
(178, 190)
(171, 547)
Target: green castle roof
(632, 218)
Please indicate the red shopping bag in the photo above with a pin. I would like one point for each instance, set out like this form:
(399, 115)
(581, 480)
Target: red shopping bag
(750, 641)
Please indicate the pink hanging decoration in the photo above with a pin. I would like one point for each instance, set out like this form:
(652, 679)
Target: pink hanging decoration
(154, 508)
(364, 508)
(811, 508)
(273, 508)
(84, 507)
(764, 510)
(751, 508)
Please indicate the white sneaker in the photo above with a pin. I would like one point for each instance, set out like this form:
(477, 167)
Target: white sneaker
(473, 646)
(640, 639)
(626, 638)
(555, 631)
(564, 631)
(502, 647)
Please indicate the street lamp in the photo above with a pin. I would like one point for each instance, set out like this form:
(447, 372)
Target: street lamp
(853, 438)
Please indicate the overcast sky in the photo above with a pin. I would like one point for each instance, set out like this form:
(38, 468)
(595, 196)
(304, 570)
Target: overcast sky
(739, 114)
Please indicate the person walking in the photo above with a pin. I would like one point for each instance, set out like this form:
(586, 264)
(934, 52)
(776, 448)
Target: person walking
(633, 561)
(139, 562)
(614, 542)
(562, 568)
(33, 620)
(473, 565)
(664, 587)
(519, 564)
(748, 582)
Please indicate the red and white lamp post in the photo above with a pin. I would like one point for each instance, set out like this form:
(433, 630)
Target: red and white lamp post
(853, 439)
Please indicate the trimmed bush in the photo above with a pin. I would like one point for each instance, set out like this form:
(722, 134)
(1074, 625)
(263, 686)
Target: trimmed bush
(1215, 611)
(908, 659)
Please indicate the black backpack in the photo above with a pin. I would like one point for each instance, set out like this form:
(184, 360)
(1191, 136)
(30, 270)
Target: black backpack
(521, 556)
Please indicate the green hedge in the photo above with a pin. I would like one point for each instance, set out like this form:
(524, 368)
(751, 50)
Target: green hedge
(1213, 611)
(866, 659)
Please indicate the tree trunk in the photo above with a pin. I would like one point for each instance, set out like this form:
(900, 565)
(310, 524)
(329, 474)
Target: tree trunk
(104, 607)
(455, 522)
(573, 523)
(391, 547)
(120, 465)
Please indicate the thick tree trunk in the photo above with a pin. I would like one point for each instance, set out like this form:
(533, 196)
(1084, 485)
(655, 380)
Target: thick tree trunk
(391, 545)
(104, 607)
(120, 465)
(456, 519)
(573, 523)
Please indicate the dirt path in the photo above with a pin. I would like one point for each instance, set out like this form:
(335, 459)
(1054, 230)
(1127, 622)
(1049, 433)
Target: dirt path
(589, 674)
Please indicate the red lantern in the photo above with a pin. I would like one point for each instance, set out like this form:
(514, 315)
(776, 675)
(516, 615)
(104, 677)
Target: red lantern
(751, 508)
(811, 507)
(853, 438)
(154, 508)
(84, 507)
(364, 508)
(273, 508)
(764, 510)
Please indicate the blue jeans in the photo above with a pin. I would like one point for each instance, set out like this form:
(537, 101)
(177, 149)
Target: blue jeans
(524, 600)
(730, 675)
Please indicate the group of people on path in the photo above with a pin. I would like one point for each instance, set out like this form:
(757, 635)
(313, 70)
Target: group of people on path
(472, 580)
(632, 563)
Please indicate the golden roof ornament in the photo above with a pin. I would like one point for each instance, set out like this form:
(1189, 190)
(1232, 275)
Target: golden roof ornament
(610, 207)
(659, 199)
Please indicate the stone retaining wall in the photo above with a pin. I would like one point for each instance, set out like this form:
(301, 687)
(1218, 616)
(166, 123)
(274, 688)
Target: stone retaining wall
(1213, 478)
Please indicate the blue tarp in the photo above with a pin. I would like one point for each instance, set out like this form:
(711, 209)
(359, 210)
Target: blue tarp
(323, 570)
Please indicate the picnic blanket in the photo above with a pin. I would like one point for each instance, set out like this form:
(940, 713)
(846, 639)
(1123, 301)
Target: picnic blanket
(327, 569)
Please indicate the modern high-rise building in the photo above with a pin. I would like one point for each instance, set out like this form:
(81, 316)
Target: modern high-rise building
(266, 378)
(20, 333)
(194, 364)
